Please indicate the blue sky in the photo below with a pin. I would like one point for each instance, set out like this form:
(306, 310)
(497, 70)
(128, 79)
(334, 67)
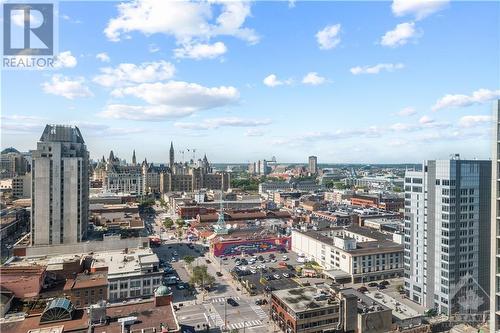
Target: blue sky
(367, 82)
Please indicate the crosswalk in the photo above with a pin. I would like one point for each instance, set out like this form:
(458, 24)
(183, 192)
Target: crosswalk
(222, 299)
(246, 324)
(258, 310)
(214, 316)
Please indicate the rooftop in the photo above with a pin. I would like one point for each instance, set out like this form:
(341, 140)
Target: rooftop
(148, 316)
(126, 262)
(376, 240)
(306, 298)
(87, 280)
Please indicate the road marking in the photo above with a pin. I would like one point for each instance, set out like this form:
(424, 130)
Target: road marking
(214, 315)
(258, 310)
(206, 318)
(246, 324)
(222, 299)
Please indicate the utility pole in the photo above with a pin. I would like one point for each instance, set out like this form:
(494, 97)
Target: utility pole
(225, 313)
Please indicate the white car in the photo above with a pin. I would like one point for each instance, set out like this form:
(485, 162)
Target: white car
(277, 276)
(253, 271)
(286, 275)
(285, 258)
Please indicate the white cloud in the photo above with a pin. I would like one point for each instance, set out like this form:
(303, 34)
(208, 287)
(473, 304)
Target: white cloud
(401, 34)
(272, 81)
(70, 88)
(181, 94)
(424, 120)
(313, 78)
(254, 132)
(419, 8)
(407, 111)
(472, 121)
(65, 60)
(173, 99)
(184, 20)
(458, 100)
(145, 112)
(17, 17)
(328, 38)
(200, 51)
(22, 118)
(376, 68)
(400, 127)
(127, 74)
(103, 56)
(222, 122)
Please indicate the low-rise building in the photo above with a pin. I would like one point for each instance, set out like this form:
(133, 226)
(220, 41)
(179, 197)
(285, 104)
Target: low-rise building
(23, 281)
(61, 316)
(131, 273)
(309, 309)
(357, 253)
(87, 288)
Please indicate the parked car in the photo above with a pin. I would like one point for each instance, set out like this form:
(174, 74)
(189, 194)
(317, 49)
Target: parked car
(286, 275)
(208, 261)
(381, 286)
(372, 284)
(385, 283)
(277, 276)
(218, 274)
(362, 289)
(232, 302)
(260, 301)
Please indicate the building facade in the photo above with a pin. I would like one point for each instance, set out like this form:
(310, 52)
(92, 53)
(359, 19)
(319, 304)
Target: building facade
(60, 187)
(131, 273)
(357, 254)
(447, 232)
(495, 223)
(13, 163)
(310, 310)
(312, 167)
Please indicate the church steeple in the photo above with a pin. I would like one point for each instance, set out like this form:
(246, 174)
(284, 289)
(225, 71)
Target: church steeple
(172, 156)
(111, 157)
(134, 160)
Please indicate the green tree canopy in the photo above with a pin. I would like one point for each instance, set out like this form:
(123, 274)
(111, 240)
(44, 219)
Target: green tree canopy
(168, 223)
(188, 259)
(201, 277)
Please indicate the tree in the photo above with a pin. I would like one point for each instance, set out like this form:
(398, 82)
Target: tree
(168, 223)
(179, 222)
(188, 259)
(201, 277)
(340, 186)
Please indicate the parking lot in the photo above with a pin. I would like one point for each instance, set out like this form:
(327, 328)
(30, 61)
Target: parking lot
(262, 273)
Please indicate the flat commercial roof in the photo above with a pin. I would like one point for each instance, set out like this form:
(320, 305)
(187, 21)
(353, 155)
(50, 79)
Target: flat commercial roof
(305, 298)
(121, 263)
(382, 242)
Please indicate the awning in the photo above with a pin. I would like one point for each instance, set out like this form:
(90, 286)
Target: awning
(337, 274)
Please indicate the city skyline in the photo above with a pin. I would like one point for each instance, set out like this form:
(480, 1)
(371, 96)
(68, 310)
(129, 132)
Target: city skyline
(193, 80)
